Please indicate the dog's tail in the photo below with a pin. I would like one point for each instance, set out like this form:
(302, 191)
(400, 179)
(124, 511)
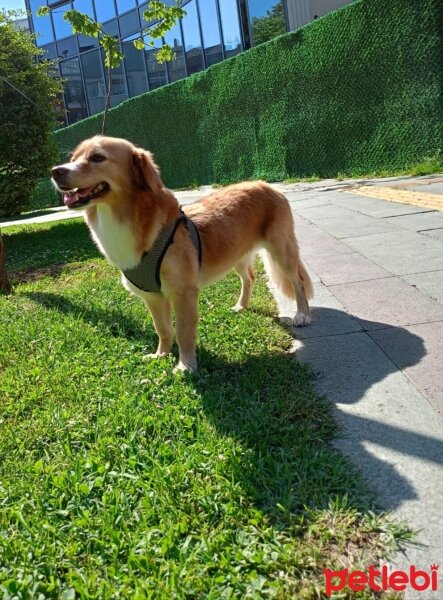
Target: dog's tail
(282, 281)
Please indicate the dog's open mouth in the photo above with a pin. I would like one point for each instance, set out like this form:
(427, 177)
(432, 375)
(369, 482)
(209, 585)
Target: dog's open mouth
(78, 197)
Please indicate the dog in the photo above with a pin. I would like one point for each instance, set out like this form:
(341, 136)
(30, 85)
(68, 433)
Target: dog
(128, 210)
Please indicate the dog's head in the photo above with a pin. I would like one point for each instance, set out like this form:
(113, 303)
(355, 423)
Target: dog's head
(105, 169)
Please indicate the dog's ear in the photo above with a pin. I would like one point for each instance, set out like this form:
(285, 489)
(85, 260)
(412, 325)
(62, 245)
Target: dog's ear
(146, 174)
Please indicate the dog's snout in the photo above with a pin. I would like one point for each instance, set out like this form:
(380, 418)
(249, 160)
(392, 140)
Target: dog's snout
(59, 172)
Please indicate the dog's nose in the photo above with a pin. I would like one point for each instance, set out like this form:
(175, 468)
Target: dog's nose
(59, 172)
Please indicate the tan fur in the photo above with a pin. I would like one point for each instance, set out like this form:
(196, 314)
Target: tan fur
(234, 223)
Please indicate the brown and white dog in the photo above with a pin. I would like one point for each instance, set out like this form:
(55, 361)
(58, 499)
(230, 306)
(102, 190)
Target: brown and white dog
(126, 206)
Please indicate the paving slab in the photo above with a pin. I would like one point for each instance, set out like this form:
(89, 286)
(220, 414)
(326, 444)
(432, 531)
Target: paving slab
(375, 207)
(434, 233)
(400, 252)
(419, 221)
(316, 242)
(425, 371)
(342, 223)
(326, 210)
(430, 283)
(346, 268)
(387, 302)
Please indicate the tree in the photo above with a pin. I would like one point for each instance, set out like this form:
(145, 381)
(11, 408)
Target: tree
(268, 27)
(161, 19)
(5, 286)
(28, 97)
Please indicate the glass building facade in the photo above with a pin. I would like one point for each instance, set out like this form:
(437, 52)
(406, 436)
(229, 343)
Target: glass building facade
(211, 31)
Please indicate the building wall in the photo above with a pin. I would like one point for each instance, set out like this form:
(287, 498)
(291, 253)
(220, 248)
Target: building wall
(211, 31)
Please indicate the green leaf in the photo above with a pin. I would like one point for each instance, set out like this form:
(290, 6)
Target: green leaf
(139, 44)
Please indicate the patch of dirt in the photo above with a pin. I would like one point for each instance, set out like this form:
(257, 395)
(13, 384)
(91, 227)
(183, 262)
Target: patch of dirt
(34, 274)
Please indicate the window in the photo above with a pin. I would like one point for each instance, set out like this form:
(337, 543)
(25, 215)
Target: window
(135, 69)
(267, 19)
(192, 39)
(84, 6)
(105, 10)
(73, 90)
(125, 5)
(67, 47)
(118, 82)
(50, 52)
(42, 25)
(94, 81)
(111, 28)
(231, 27)
(86, 43)
(62, 28)
(156, 71)
(210, 31)
(129, 23)
(176, 67)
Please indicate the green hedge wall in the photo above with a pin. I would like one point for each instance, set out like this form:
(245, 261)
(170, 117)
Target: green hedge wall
(358, 90)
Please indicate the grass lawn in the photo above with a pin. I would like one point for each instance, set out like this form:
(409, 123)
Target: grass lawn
(119, 479)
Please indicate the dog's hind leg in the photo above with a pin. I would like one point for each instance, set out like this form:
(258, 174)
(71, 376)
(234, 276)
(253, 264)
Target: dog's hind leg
(160, 309)
(245, 270)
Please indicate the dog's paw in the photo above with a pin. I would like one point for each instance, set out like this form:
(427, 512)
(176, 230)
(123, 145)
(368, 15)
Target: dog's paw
(301, 320)
(238, 308)
(183, 367)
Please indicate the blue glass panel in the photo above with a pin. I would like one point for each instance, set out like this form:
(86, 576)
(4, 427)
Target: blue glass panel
(105, 10)
(67, 47)
(231, 27)
(50, 52)
(156, 71)
(62, 28)
(192, 39)
(111, 28)
(94, 81)
(84, 6)
(135, 69)
(176, 67)
(129, 23)
(73, 90)
(85, 43)
(118, 91)
(42, 25)
(125, 5)
(210, 31)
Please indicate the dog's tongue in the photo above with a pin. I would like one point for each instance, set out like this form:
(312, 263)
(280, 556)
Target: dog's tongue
(73, 197)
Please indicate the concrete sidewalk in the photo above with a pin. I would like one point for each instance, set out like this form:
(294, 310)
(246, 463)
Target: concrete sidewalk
(377, 344)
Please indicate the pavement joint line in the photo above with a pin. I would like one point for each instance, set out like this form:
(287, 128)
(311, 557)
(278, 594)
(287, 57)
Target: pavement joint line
(421, 212)
(425, 199)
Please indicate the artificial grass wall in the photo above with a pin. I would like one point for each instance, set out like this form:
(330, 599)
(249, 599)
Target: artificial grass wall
(356, 91)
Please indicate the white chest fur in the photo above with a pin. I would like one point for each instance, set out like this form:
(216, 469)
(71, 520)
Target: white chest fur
(114, 239)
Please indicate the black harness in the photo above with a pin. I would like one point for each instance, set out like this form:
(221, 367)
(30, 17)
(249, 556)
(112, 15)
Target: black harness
(146, 275)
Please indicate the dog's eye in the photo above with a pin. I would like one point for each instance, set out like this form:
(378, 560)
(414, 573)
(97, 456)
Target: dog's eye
(96, 158)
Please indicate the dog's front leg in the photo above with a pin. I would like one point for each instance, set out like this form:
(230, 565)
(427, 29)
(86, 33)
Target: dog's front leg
(160, 309)
(185, 305)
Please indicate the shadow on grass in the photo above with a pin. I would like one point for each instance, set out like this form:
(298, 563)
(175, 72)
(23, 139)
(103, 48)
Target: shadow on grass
(56, 242)
(113, 321)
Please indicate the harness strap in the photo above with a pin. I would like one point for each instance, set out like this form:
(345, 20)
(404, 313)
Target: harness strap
(146, 275)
